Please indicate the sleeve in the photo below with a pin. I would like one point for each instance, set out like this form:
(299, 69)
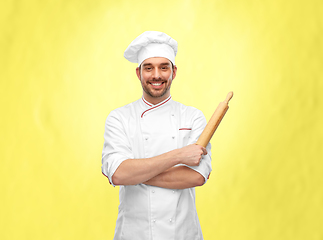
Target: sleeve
(205, 167)
(116, 147)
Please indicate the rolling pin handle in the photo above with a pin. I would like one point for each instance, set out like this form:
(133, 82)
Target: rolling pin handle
(229, 96)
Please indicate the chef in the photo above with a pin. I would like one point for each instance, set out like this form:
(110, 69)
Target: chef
(150, 152)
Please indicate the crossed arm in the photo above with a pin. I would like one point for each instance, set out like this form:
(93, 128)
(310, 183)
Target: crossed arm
(177, 169)
(161, 171)
(177, 178)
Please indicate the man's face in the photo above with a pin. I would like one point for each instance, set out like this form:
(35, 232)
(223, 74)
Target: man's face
(156, 75)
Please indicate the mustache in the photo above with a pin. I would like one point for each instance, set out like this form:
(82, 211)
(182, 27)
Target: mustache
(158, 80)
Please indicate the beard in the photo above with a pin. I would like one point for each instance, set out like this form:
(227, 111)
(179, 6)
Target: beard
(157, 94)
(154, 93)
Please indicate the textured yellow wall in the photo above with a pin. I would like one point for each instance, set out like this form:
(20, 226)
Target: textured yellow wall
(63, 71)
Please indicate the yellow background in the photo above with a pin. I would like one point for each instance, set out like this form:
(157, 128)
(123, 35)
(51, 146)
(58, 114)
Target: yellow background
(63, 71)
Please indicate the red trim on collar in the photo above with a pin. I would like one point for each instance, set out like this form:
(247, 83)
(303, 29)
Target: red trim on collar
(146, 102)
(185, 129)
(156, 106)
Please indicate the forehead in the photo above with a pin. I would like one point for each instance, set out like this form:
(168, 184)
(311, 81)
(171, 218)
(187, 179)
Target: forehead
(156, 61)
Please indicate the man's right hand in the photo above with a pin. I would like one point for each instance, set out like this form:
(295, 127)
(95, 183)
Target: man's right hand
(191, 155)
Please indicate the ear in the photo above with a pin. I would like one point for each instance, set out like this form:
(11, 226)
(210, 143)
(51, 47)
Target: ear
(138, 73)
(174, 71)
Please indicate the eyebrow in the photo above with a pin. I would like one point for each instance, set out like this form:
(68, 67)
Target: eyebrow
(146, 64)
(149, 64)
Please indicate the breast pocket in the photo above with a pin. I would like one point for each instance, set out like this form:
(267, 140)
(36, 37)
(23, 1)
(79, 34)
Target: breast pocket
(184, 136)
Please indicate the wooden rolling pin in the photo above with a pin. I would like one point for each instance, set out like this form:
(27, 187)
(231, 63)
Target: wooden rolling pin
(214, 122)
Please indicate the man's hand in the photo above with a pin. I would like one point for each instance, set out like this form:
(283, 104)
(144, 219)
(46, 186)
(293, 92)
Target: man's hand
(190, 155)
(180, 177)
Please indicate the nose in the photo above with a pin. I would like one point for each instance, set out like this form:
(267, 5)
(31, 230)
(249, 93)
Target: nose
(156, 73)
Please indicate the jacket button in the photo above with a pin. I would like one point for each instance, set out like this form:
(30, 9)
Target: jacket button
(173, 137)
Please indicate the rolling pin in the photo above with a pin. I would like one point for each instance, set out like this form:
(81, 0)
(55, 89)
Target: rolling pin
(214, 122)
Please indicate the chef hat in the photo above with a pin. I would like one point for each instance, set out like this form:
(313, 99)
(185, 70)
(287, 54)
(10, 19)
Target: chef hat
(151, 44)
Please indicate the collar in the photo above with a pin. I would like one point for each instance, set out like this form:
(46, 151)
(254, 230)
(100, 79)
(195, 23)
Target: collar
(151, 106)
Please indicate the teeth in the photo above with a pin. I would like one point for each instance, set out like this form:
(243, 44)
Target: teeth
(156, 84)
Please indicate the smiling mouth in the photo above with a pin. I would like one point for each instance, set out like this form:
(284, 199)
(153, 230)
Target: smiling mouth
(157, 85)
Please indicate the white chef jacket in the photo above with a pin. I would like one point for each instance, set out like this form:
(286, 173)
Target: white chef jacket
(142, 130)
